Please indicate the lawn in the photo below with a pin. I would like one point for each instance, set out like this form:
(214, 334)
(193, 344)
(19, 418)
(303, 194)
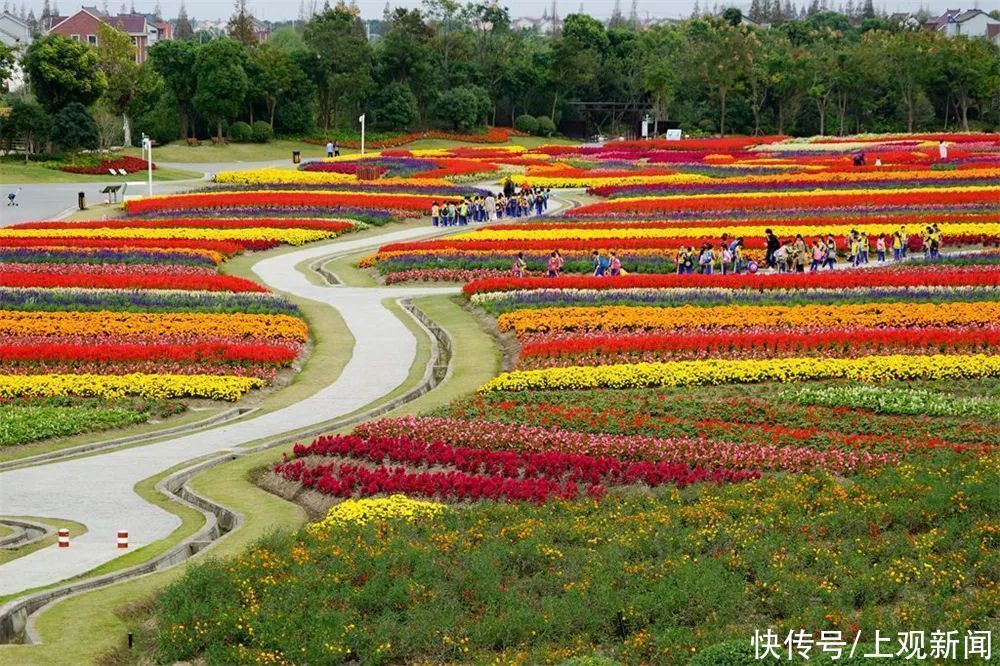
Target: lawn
(18, 173)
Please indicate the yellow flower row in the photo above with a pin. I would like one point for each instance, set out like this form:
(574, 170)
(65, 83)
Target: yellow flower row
(611, 318)
(288, 236)
(273, 176)
(583, 232)
(691, 373)
(153, 387)
(974, 189)
(152, 325)
(362, 511)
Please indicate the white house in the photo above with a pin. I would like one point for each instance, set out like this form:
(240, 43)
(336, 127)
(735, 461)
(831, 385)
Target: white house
(969, 23)
(17, 34)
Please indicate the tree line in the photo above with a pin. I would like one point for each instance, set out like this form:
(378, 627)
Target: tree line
(463, 66)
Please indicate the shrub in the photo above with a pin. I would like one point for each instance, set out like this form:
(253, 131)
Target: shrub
(262, 132)
(526, 123)
(545, 126)
(241, 132)
(397, 108)
(74, 128)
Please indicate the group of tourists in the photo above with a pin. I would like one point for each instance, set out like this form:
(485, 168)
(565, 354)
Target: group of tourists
(489, 208)
(605, 264)
(729, 256)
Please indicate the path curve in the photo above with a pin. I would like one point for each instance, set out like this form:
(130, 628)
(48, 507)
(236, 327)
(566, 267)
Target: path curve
(98, 491)
(384, 352)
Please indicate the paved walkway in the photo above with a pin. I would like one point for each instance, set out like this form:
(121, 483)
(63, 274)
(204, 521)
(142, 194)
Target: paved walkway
(98, 491)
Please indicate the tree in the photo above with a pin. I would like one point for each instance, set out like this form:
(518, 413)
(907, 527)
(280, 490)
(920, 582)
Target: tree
(175, 62)
(577, 57)
(404, 55)
(241, 25)
(343, 55)
(74, 128)
(28, 120)
(397, 107)
(127, 81)
(661, 49)
(733, 16)
(720, 55)
(7, 61)
(971, 72)
(222, 82)
(287, 39)
(277, 76)
(184, 30)
(464, 107)
(906, 62)
(63, 70)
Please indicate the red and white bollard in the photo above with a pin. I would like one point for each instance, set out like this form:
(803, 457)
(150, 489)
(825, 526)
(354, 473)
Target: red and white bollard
(64, 538)
(122, 539)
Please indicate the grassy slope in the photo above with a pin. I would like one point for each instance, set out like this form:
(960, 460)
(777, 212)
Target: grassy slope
(20, 173)
(92, 624)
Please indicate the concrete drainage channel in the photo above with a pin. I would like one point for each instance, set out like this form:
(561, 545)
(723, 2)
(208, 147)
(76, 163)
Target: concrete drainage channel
(147, 438)
(17, 618)
(25, 533)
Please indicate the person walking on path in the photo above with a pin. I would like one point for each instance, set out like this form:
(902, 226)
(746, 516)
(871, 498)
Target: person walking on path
(831, 252)
(435, 213)
(880, 248)
(801, 252)
(329, 149)
(772, 246)
(520, 265)
(897, 246)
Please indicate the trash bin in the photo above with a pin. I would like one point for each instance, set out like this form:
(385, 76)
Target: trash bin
(296, 157)
(81, 200)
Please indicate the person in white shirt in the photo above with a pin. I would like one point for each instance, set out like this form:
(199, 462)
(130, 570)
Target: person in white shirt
(943, 150)
(491, 207)
(329, 149)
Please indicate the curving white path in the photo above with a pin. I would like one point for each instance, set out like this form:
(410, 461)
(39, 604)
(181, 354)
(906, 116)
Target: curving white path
(98, 491)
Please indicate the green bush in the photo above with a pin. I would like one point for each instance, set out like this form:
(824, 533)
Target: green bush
(397, 107)
(526, 123)
(241, 132)
(545, 126)
(75, 129)
(262, 132)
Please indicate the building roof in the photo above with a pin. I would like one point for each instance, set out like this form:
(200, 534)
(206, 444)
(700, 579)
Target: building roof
(133, 24)
(11, 17)
(970, 14)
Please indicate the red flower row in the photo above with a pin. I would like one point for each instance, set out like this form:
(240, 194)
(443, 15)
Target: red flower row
(348, 480)
(914, 221)
(477, 473)
(67, 277)
(785, 201)
(868, 338)
(226, 247)
(280, 199)
(494, 135)
(695, 451)
(198, 223)
(128, 163)
(984, 277)
(195, 352)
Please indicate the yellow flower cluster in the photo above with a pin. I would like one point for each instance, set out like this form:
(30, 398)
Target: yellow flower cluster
(148, 324)
(291, 236)
(612, 318)
(584, 232)
(691, 373)
(276, 176)
(154, 387)
(362, 511)
(273, 176)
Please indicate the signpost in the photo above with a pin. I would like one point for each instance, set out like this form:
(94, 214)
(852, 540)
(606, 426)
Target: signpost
(147, 151)
(362, 121)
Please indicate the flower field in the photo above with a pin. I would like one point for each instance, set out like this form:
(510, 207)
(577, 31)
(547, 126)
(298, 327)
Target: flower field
(671, 460)
(657, 197)
(137, 310)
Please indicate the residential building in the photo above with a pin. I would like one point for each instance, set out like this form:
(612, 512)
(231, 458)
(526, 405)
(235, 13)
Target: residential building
(83, 27)
(16, 34)
(968, 23)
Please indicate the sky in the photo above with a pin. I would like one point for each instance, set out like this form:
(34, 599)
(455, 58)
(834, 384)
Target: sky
(276, 10)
